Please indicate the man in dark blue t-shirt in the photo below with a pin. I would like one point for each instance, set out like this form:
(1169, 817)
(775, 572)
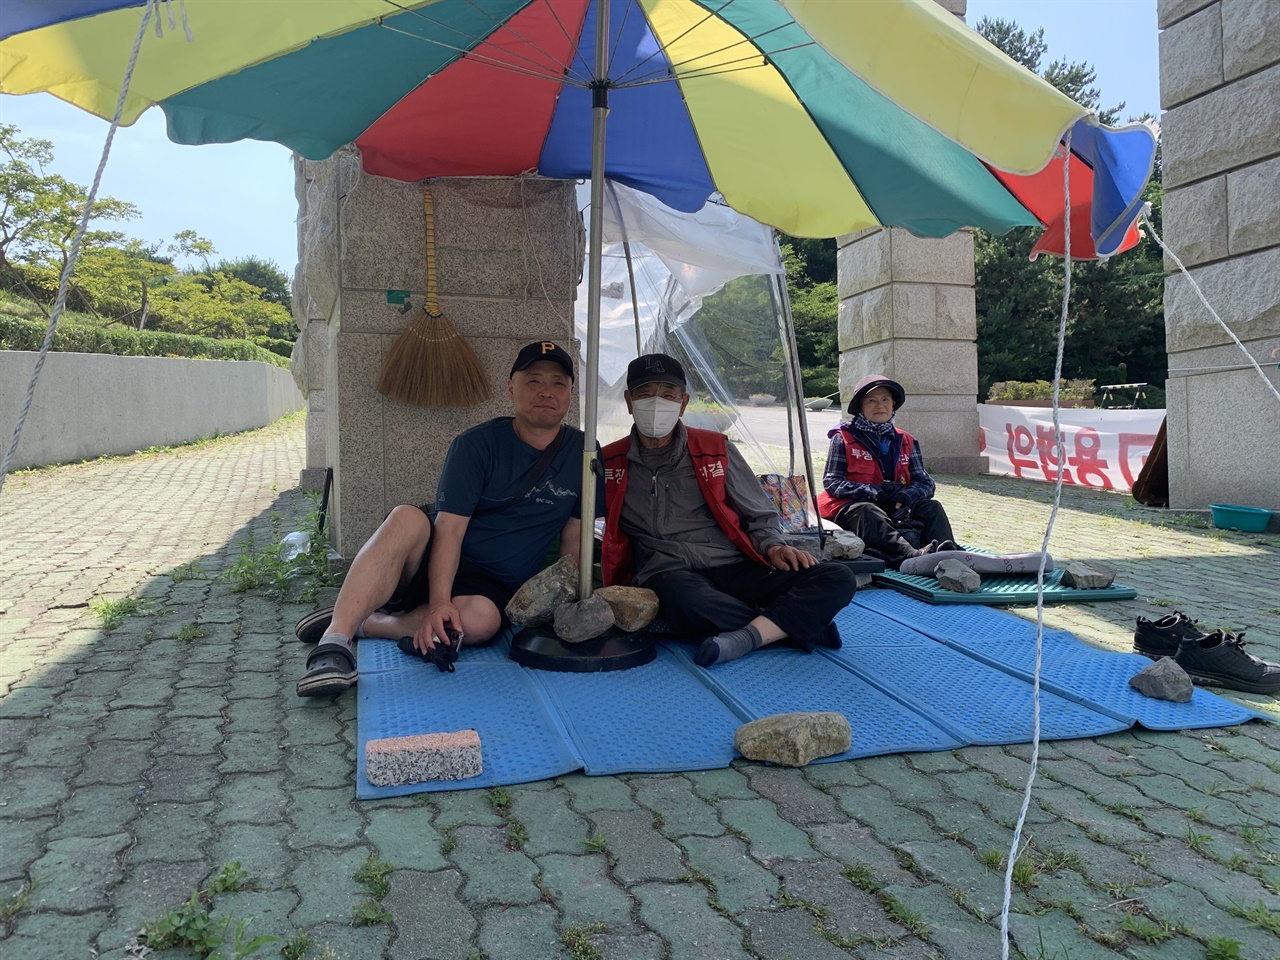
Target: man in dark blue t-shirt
(508, 488)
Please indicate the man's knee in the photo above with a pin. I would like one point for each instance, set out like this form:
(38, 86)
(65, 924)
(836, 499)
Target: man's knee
(929, 510)
(407, 525)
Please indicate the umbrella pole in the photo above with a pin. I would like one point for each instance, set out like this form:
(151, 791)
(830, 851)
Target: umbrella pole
(591, 376)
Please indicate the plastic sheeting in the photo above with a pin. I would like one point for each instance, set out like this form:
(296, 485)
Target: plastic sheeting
(709, 289)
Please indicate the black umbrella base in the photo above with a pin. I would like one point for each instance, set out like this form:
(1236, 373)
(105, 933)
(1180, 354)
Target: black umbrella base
(541, 649)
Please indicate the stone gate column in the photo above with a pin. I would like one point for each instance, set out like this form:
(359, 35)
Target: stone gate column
(508, 255)
(907, 311)
(1220, 88)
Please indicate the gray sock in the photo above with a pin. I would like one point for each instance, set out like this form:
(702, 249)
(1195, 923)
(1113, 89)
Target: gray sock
(341, 638)
(728, 646)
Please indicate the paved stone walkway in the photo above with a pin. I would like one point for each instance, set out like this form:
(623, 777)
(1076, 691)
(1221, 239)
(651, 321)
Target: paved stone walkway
(136, 763)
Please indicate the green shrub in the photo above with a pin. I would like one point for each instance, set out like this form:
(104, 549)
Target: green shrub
(283, 348)
(1012, 390)
(821, 381)
(19, 334)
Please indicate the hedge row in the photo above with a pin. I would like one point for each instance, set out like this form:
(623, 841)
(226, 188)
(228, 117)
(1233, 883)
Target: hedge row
(18, 334)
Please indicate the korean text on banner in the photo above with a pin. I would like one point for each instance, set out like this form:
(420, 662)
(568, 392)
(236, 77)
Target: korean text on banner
(1102, 448)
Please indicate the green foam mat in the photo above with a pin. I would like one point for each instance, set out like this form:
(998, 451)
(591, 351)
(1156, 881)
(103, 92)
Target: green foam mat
(1000, 591)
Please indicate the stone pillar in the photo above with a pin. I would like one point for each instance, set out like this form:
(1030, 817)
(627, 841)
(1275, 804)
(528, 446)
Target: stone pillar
(907, 311)
(508, 256)
(1220, 88)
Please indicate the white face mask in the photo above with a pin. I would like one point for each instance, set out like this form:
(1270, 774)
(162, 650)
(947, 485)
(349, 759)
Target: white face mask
(656, 416)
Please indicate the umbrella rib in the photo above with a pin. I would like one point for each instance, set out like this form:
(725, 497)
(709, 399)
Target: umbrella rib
(663, 49)
(488, 61)
(565, 68)
(713, 70)
(617, 40)
(577, 55)
(535, 68)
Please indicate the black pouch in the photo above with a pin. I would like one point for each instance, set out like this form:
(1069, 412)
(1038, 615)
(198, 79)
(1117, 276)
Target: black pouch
(443, 655)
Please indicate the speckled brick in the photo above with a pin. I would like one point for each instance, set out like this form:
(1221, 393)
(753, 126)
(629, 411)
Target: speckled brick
(427, 756)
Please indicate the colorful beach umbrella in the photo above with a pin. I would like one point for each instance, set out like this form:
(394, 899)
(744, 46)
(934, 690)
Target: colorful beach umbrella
(817, 117)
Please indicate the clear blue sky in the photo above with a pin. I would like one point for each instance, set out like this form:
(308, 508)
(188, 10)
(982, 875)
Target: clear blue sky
(241, 197)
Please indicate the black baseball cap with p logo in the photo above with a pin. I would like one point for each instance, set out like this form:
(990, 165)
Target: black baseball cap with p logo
(542, 350)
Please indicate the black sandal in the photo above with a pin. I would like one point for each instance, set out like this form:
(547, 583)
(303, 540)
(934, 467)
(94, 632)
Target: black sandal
(311, 628)
(331, 669)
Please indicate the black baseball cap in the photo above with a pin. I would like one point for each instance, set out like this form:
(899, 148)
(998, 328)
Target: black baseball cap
(655, 367)
(542, 350)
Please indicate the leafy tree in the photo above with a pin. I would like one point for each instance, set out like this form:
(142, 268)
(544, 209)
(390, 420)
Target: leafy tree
(266, 275)
(40, 212)
(1115, 331)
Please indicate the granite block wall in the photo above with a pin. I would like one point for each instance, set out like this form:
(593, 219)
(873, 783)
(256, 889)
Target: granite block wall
(508, 256)
(1220, 89)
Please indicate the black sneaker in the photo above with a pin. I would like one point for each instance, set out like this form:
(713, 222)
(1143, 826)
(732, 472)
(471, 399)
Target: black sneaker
(1160, 638)
(1219, 660)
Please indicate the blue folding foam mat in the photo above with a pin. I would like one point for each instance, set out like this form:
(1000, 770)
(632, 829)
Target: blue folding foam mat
(656, 718)
(962, 695)
(1070, 668)
(399, 696)
(787, 680)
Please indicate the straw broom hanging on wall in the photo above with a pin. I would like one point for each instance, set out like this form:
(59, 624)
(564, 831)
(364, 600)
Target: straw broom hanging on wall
(430, 365)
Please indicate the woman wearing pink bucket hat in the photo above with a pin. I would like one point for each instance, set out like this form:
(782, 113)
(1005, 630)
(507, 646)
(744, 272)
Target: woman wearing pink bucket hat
(875, 484)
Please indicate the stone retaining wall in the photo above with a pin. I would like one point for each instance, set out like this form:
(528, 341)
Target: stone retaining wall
(88, 405)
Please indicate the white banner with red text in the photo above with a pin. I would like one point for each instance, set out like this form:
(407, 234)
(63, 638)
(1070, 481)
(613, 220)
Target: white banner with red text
(1102, 448)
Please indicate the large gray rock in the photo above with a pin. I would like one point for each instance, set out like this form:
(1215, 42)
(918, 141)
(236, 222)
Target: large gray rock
(954, 575)
(536, 601)
(1163, 680)
(633, 607)
(794, 739)
(1088, 575)
(583, 620)
(843, 545)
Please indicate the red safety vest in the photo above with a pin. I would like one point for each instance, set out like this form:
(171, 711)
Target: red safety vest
(863, 467)
(710, 461)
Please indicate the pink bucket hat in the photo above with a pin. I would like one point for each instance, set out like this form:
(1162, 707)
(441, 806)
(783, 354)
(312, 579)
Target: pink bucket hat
(869, 382)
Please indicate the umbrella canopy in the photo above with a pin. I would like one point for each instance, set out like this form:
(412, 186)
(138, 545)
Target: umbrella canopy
(817, 118)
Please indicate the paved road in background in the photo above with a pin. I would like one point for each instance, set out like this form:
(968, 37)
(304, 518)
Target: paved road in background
(135, 763)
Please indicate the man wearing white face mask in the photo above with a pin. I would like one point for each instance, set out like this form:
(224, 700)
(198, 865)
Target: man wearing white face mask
(685, 517)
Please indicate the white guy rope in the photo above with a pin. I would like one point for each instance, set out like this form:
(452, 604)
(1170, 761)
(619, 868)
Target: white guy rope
(65, 279)
(1212, 312)
(1044, 553)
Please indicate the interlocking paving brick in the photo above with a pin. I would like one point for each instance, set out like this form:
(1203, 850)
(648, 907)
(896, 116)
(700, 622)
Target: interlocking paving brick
(23, 842)
(552, 826)
(96, 812)
(406, 838)
(76, 873)
(514, 933)
(797, 800)
(961, 936)
(266, 913)
(37, 793)
(680, 915)
(252, 798)
(148, 890)
(327, 893)
(767, 834)
(740, 882)
(495, 873)
(642, 852)
(172, 831)
(785, 934)
(1059, 934)
(124, 762)
(321, 818)
(854, 846)
(598, 793)
(580, 887)
(430, 920)
(683, 812)
(850, 912)
(53, 936)
(260, 848)
(729, 783)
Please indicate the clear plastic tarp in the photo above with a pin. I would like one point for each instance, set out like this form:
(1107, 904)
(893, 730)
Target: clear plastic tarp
(709, 289)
